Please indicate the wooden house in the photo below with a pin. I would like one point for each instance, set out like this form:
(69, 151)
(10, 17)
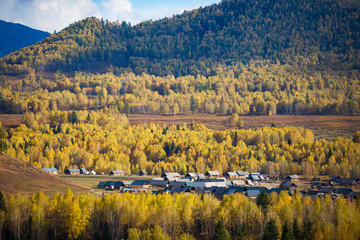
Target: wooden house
(287, 185)
(212, 174)
(74, 171)
(231, 175)
(116, 173)
(51, 170)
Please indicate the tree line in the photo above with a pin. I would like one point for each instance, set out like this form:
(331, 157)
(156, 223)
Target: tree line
(146, 216)
(255, 89)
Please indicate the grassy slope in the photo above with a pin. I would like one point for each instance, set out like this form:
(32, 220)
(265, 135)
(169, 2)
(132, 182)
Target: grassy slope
(19, 177)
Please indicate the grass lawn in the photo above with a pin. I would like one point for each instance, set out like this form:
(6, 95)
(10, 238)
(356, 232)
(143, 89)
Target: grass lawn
(92, 181)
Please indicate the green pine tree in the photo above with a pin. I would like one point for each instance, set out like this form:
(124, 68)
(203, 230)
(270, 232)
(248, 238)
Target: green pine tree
(296, 230)
(263, 200)
(271, 231)
(220, 232)
(287, 234)
(2, 202)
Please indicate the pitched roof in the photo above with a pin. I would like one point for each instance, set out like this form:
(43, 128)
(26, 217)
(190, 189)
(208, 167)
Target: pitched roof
(231, 174)
(219, 191)
(212, 173)
(74, 170)
(158, 182)
(334, 178)
(50, 169)
(101, 184)
(238, 182)
(343, 191)
(83, 169)
(326, 190)
(193, 175)
(201, 175)
(195, 184)
(211, 180)
(139, 183)
(256, 188)
(293, 176)
(171, 174)
(252, 193)
(242, 173)
(287, 184)
(117, 172)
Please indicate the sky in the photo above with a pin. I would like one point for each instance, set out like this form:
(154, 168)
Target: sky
(50, 15)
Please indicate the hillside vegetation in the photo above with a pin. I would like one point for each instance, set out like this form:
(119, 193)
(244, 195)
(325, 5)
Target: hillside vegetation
(311, 34)
(104, 141)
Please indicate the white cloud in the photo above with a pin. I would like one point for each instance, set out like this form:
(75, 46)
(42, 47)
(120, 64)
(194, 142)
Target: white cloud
(117, 10)
(50, 15)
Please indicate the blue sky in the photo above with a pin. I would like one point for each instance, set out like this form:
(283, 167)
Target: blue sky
(50, 15)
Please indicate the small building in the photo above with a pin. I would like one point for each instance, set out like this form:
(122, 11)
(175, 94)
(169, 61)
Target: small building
(110, 185)
(51, 170)
(101, 185)
(201, 176)
(327, 190)
(92, 172)
(116, 173)
(192, 175)
(84, 171)
(137, 184)
(291, 178)
(348, 181)
(212, 174)
(242, 174)
(142, 173)
(252, 193)
(254, 177)
(238, 183)
(74, 171)
(335, 179)
(344, 191)
(287, 185)
(317, 185)
(231, 175)
(316, 179)
(159, 183)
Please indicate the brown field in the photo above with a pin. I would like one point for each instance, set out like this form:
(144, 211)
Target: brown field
(328, 127)
(17, 176)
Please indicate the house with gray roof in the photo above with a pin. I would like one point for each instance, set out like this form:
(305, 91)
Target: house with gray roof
(212, 174)
(51, 170)
(74, 171)
(116, 173)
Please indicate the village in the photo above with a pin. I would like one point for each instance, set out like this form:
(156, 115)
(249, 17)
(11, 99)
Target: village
(249, 184)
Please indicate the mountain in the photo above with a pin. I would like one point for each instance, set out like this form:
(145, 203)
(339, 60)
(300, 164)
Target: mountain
(322, 34)
(16, 176)
(16, 36)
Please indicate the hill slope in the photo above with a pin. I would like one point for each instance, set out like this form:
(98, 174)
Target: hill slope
(16, 36)
(322, 34)
(19, 177)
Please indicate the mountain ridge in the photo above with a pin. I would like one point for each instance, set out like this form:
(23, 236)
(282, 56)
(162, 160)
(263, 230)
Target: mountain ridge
(16, 36)
(323, 35)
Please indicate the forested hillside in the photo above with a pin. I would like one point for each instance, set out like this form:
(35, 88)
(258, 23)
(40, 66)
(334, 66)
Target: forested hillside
(314, 35)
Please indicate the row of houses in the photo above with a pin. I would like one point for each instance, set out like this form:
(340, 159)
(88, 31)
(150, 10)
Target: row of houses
(218, 187)
(75, 171)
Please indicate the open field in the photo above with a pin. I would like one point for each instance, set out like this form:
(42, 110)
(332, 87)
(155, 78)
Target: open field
(17, 176)
(328, 127)
(92, 181)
